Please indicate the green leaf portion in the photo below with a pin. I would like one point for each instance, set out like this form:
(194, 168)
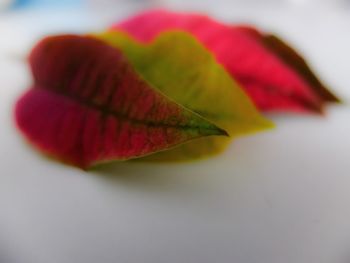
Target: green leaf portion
(182, 69)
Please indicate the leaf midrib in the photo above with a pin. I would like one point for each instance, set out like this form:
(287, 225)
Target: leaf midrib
(105, 111)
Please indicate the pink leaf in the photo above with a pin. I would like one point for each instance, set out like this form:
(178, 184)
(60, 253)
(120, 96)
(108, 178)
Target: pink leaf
(275, 79)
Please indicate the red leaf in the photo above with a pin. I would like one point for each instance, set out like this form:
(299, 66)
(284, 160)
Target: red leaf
(270, 75)
(291, 57)
(87, 105)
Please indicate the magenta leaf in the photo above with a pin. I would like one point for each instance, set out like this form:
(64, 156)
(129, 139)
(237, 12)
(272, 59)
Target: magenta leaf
(291, 57)
(273, 74)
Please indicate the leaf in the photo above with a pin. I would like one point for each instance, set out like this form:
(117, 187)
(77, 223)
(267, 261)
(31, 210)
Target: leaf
(293, 59)
(271, 81)
(88, 106)
(181, 68)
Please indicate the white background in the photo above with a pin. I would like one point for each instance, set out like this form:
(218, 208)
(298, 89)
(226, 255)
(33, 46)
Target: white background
(277, 197)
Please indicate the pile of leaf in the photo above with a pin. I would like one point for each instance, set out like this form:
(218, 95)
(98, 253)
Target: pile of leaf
(160, 86)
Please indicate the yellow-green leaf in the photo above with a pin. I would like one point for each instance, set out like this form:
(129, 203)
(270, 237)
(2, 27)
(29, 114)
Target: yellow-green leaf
(182, 69)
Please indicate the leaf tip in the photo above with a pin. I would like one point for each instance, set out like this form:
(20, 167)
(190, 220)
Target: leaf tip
(213, 129)
(223, 132)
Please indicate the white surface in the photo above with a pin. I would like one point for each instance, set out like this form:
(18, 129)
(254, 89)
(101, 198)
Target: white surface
(277, 197)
